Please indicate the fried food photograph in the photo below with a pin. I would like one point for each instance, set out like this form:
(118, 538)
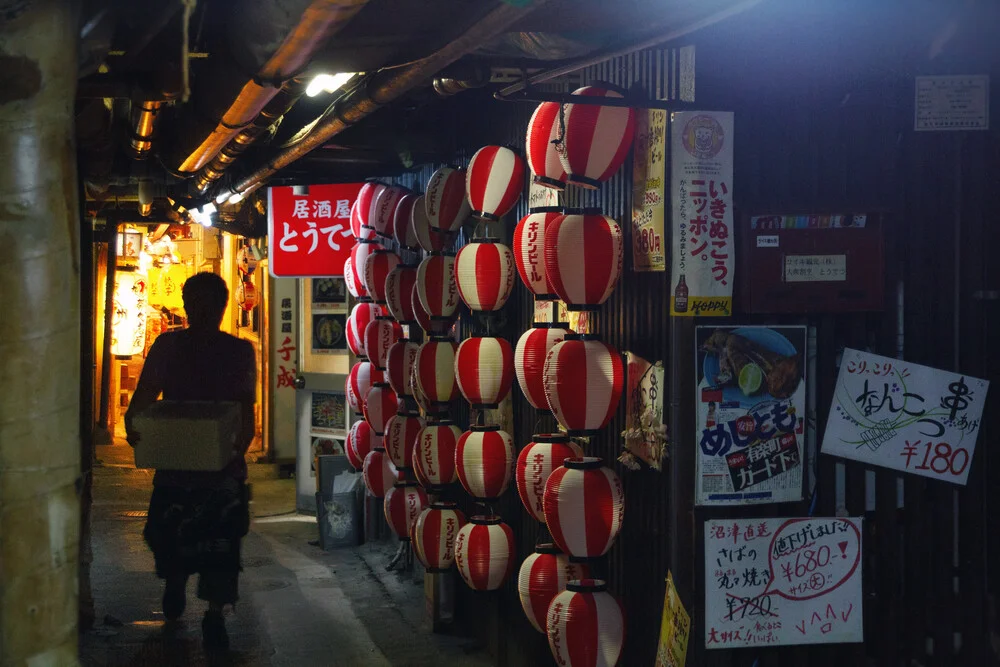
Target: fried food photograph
(750, 365)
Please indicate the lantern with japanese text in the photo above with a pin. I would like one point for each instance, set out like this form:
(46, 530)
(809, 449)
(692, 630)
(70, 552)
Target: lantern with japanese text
(418, 396)
(583, 257)
(583, 380)
(353, 283)
(584, 507)
(433, 327)
(484, 370)
(403, 504)
(596, 139)
(360, 232)
(359, 257)
(484, 459)
(541, 147)
(585, 625)
(399, 366)
(380, 335)
(484, 274)
(360, 440)
(402, 223)
(484, 552)
(398, 289)
(362, 377)
(128, 332)
(529, 249)
(361, 316)
(378, 266)
(494, 182)
(435, 533)
(379, 472)
(545, 453)
(428, 238)
(385, 209)
(365, 203)
(529, 360)
(401, 433)
(435, 369)
(434, 456)
(380, 404)
(543, 575)
(444, 202)
(436, 286)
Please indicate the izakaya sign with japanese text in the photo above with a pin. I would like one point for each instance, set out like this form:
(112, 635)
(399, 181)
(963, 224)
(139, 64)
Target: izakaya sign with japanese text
(701, 191)
(751, 401)
(904, 416)
(772, 582)
(649, 173)
(309, 229)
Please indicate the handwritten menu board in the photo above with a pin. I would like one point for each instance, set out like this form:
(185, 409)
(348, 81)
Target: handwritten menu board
(772, 582)
(904, 416)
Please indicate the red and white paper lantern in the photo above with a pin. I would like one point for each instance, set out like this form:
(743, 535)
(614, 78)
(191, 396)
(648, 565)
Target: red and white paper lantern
(545, 453)
(360, 440)
(354, 344)
(484, 553)
(436, 286)
(399, 366)
(484, 274)
(360, 233)
(584, 507)
(494, 182)
(380, 404)
(380, 335)
(359, 256)
(597, 139)
(484, 369)
(484, 458)
(400, 438)
(542, 153)
(529, 249)
(361, 316)
(585, 625)
(583, 380)
(444, 201)
(428, 238)
(385, 209)
(365, 204)
(379, 473)
(435, 533)
(363, 376)
(403, 504)
(583, 257)
(378, 266)
(435, 369)
(529, 360)
(434, 456)
(402, 223)
(352, 282)
(433, 327)
(398, 289)
(543, 575)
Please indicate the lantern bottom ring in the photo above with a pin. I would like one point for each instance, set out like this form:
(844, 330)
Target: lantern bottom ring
(483, 215)
(583, 182)
(436, 570)
(484, 406)
(580, 307)
(549, 182)
(380, 384)
(584, 559)
(546, 297)
(583, 433)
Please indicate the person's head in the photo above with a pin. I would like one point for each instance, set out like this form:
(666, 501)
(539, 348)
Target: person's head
(205, 296)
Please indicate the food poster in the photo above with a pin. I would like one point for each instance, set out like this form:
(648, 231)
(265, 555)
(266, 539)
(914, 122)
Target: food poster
(773, 582)
(329, 414)
(329, 333)
(751, 406)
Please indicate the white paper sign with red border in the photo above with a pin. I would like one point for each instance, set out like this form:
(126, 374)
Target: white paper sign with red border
(309, 229)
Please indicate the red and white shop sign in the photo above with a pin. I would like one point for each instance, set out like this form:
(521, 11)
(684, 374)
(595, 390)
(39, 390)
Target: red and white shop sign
(309, 229)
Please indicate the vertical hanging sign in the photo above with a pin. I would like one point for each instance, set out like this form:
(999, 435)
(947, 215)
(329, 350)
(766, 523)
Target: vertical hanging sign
(701, 190)
(648, 249)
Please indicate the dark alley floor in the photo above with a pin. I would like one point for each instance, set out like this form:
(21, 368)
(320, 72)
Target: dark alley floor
(299, 605)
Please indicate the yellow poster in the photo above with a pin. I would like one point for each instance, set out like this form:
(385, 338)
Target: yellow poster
(648, 247)
(674, 629)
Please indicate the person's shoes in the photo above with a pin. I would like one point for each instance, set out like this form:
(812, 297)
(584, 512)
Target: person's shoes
(213, 632)
(174, 599)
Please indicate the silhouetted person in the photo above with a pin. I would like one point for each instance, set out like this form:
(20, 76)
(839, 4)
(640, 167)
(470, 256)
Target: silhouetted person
(197, 519)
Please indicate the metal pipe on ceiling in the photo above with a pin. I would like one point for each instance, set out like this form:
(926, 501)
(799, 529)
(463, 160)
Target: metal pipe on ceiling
(387, 85)
(143, 125)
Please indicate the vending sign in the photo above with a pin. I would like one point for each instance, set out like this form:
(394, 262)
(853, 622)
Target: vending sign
(309, 229)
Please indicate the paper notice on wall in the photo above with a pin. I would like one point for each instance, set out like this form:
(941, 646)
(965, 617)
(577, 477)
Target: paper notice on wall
(540, 196)
(772, 582)
(648, 205)
(701, 192)
(675, 629)
(904, 416)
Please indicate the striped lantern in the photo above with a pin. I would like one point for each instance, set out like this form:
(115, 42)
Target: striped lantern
(399, 366)
(357, 230)
(352, 282)
(484, 274)
(379, 472)
(429, 239)
(380, 335)
(402, 505)
(433, 327)
(359, 256)
(583, 257)
(435, 369)
(545, 453)
(583, 380)
(402, 223)
(434, 456)
(484, 459)
(584, 507)
(378, 266)
(436, 286)
(494, 182)
(597, 139)
(484, 370)
(398, 288)
(365, 202)
(529, 250)
(542, 153)
(543, 575)
(586, 625)
(401, 433)
(414, 391)
(484, 552)
(413, 538)
(444, 201)
(434, 535)
(385, 209)
(363, 376)
(359, 442)
(529, 360)
(354, 344)
(380, 404)
(361, 316)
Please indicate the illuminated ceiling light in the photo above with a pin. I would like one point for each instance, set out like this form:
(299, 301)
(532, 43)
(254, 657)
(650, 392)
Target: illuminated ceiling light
(208, 209)
(327, 83)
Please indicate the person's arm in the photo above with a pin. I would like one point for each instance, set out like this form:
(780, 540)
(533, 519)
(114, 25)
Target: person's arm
(248, 396)
(147, 389)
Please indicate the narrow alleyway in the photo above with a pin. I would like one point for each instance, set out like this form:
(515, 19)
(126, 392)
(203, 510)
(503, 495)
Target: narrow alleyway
(299, 605)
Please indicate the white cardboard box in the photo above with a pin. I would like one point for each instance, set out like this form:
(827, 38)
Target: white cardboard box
(186, 435)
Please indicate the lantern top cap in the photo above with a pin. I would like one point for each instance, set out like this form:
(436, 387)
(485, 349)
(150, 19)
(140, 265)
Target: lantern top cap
(586, 210)
(488, 428)
(587, 585)
(447, 421)
(551, 325)
(547, 548)
(403, 483)
(443, 505)
(440, 339)
(586, 337)
(379, 449)
(550, 437)
(546, 209)
(482, 520)
(584, 463)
